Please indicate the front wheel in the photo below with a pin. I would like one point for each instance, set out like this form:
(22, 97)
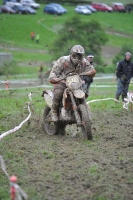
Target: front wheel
(86, 123)
(52, 128)
(49, 126)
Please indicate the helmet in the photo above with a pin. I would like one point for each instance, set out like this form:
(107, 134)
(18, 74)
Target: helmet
(128, 53)
(77, 53)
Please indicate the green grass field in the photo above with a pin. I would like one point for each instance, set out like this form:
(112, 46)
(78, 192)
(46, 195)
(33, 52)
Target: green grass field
(15, 29)
(15, 32)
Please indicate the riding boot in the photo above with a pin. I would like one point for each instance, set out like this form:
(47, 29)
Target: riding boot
(54, 111)
(117, 97)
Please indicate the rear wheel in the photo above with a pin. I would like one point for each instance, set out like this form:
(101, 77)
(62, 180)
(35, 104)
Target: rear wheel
(86, 123)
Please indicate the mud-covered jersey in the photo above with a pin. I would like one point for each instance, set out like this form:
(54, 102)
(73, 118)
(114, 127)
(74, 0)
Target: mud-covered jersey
(63, 66)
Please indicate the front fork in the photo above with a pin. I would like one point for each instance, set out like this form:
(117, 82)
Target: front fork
(87, 108)
(77, 117)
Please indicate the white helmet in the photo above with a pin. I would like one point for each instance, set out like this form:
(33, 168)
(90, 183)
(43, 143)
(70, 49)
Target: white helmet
(77, 54)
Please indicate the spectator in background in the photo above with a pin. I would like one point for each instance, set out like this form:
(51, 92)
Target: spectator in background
(40, 73)
(32, 35)
(129, 9)
(37, 38)
(124, 73)
(88, 80)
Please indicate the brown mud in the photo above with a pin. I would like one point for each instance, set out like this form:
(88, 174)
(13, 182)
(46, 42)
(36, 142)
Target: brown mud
(69, 168)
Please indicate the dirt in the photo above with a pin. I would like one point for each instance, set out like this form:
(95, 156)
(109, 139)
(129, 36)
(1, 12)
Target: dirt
(108, 51)
(67, 167)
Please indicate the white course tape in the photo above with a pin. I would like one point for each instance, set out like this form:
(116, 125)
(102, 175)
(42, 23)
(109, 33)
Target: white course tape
(95, 100)
(20, 194)
(29, 95)
(3, 167)
(128, 100)
(14, 187)
(17, 127)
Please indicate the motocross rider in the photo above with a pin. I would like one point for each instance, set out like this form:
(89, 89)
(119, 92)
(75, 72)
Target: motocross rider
(73, 63)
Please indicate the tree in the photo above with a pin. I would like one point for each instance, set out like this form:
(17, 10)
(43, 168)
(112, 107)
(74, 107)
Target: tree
(89, 34)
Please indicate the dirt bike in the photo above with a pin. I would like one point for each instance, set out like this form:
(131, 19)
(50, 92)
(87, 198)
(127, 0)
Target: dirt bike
(73, 108)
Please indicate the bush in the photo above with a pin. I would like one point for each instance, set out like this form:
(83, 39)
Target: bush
(9, 69)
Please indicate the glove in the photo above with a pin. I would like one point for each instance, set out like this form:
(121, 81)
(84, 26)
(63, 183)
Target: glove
(117, 74)
(55, 80)
(123, 77)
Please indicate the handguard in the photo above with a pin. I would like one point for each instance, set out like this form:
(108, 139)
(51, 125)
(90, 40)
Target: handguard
(55, 80)
(89, 73)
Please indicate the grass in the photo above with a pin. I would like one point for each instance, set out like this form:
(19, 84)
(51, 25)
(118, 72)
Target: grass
(15, 32)
(110, 2)
(13, 101)
(18, 34)
(118, 41)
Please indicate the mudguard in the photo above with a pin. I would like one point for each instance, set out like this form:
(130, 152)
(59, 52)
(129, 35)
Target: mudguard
(48, 97)
(78, 94)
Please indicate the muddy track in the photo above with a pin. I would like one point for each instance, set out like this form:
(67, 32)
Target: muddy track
(66, 167)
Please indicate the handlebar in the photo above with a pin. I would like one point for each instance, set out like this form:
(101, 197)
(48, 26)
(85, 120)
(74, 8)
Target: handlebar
(89, 73)
(57, 80)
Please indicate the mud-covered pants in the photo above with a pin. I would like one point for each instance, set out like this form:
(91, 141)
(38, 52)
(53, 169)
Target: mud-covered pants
(58, 93)
(122, 88)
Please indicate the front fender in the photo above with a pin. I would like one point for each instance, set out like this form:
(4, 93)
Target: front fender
(48, 97)
(79, 94)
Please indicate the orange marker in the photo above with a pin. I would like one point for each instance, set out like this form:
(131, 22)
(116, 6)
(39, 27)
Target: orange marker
(7, 85)
(13, 180)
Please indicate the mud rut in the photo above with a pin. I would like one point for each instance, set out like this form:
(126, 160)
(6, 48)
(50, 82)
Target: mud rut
(66, 167)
